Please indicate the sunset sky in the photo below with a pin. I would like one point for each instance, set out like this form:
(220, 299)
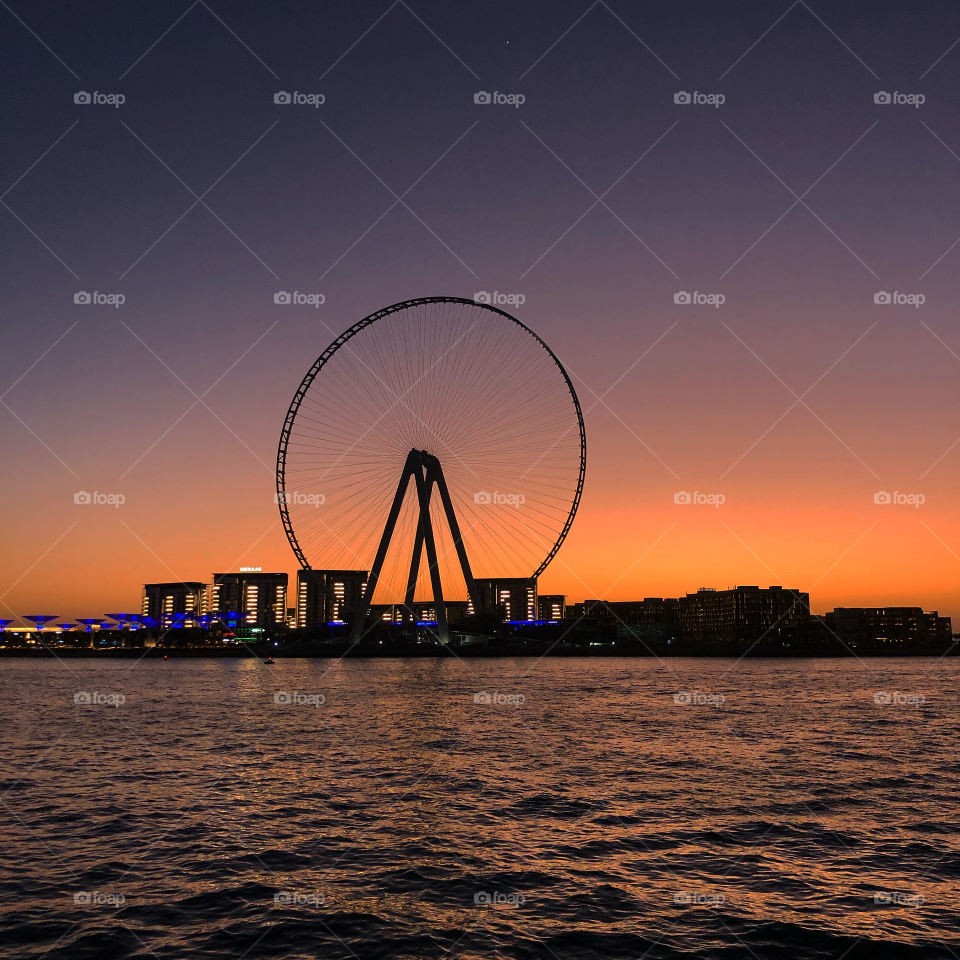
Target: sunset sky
(597, 200)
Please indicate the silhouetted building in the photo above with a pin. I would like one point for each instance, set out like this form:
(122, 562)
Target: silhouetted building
(551, 606)
(458, 610)
(576, 611)
(699, 615)
(888, 627)
(633, 612)
(515, 597)
(162, 600)
(328, 596)
(425, 611)
(651, 620)
(261, 596)
(744, 615)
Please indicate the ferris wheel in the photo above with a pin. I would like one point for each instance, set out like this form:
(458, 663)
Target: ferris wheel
(438, 425)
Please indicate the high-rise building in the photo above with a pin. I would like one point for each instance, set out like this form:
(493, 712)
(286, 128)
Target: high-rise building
(162, 600)
(888, 627)
(261, 596)
(743, 615)
(328, 596)
(515, 597)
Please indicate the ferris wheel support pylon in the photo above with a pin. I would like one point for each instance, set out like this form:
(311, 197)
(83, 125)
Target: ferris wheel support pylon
(427, 474)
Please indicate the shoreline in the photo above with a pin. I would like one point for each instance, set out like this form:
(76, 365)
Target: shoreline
(461, 653)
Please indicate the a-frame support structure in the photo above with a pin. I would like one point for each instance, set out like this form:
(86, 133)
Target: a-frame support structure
(427, 473)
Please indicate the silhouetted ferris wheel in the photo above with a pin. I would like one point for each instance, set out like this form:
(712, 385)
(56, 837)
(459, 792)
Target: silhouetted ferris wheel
(441, 424)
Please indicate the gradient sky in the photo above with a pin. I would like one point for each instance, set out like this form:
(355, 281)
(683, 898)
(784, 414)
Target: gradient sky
(597, 200)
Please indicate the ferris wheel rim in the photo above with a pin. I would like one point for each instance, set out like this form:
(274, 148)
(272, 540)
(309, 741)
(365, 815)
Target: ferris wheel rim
(338, 342)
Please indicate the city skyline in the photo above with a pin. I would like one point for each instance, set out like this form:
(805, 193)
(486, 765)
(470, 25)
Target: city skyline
(730, 334)
(205, 594)
(237, 613)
